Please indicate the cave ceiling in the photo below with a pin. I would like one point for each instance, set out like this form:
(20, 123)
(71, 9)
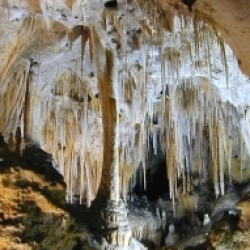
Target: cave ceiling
(173, 73)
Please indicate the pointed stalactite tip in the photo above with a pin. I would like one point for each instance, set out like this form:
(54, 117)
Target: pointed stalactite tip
(189, 3)
(110, 4)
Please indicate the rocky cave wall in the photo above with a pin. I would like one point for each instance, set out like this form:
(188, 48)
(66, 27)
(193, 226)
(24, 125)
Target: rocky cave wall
(104, 88)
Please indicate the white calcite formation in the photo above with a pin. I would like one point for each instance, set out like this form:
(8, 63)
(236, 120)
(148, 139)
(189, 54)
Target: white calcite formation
(206, 219)
(116, 223)
(99, 87)
(172, 237)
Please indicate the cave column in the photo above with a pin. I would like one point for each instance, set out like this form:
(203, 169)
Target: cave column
(114, 214)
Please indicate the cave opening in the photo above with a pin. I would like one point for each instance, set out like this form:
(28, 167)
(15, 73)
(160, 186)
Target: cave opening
(153, 180)
(156, 185)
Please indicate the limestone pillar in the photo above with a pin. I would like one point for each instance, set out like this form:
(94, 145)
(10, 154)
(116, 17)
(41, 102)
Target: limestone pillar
(114, 214)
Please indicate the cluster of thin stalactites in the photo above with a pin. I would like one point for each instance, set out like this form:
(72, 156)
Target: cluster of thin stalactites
(166, 97)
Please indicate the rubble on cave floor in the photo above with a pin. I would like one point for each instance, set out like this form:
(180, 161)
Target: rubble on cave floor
(229, 228)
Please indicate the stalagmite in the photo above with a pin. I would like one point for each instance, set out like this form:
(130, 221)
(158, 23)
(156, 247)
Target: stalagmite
(172, 237)
(206, 219)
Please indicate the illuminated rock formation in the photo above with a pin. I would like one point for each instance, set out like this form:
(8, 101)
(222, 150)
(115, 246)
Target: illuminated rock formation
(104, 86)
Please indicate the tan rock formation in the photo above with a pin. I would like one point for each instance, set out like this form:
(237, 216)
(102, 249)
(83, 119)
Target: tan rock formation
(224, 234)
(32, 209)
(244, 208)
(100, 87)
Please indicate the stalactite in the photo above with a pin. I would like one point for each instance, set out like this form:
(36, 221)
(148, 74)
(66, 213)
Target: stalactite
(29, 27)
(14, 96)
(221, 142)
(166, 91)
(229, 159)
